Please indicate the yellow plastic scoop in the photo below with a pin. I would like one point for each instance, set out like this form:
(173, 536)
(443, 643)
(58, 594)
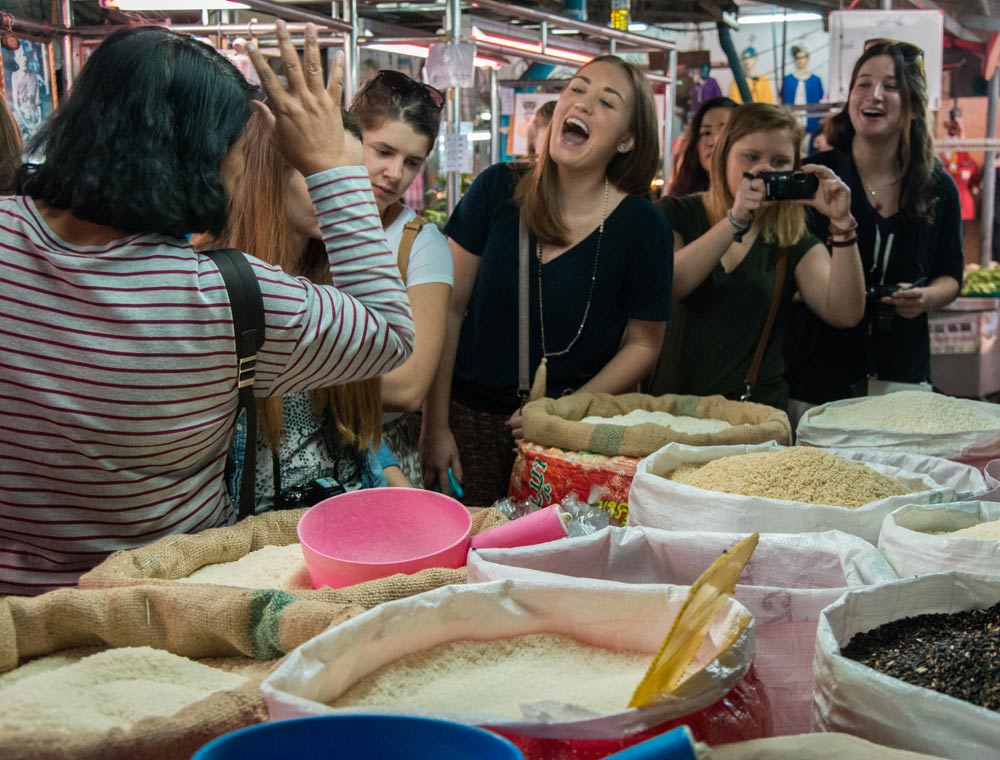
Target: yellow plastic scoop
(706, 597)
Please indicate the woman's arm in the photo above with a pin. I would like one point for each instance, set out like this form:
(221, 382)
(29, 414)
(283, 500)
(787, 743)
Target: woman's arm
(404, 388)
(635, 359)
(694, 262)
(438, 450)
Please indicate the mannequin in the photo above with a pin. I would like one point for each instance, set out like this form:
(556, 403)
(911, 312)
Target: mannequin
(802, 86)
(759, 84)
(703, 87)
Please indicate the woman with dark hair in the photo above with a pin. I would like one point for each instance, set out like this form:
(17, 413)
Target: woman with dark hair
(692, 174)
(739, 256)
(599, 263)
(909, 233)
(118, 386)
(11, 148)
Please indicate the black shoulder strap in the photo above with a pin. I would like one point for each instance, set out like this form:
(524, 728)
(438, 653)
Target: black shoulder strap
(247, 306)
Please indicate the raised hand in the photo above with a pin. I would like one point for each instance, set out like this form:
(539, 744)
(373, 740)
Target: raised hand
(749, 195)
(833, 197)
(308, 129)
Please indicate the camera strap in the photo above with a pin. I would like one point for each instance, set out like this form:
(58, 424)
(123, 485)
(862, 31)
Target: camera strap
(780, 267)
(247, 306)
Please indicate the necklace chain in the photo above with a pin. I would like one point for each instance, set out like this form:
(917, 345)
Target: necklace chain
(590, 295)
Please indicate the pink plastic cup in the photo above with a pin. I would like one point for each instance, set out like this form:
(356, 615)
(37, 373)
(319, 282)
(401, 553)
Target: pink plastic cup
(537, 527)
(377, 532)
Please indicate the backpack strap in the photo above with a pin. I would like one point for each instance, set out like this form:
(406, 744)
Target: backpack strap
(410, 231)
(247, 305)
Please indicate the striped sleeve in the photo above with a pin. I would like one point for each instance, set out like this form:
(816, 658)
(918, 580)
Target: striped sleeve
(359, 327)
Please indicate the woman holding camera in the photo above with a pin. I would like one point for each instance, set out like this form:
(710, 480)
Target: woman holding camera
(909, 233)
(743, 251)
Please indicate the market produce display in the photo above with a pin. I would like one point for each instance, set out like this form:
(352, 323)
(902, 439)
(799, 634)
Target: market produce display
(981, 281)
(108, 690)
(522, 669)
(269, 567)
(680, 423)
(910, 411)
(796, 474)
(956, 654)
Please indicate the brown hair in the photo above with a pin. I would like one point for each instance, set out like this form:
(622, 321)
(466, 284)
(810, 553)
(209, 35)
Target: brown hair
(781, 221)
(915, 155)
(690, 176)
(11, 147)
(537, 193)
(258, 224)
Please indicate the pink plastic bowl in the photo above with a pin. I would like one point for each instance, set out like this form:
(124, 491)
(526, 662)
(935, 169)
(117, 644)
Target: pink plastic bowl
(364, 535)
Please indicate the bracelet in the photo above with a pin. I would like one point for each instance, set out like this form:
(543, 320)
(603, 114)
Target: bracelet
(740, 229)
(851, 226)
(842, 243)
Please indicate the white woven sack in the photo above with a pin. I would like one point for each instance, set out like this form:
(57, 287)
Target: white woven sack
(613, 615)
(975, 444)
(852, 698)
(910, 547)
(656, 502)
(786, 584)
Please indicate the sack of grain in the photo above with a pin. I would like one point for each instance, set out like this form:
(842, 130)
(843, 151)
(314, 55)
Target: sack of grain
(255, 546)
(230, 629)
(560, 423)
(721, 702)
(854, 698)
(786, 584)
(918, 422)
(962, 536)
(656, 501)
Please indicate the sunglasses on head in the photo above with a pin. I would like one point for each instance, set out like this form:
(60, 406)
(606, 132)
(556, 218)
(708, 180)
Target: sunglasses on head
(398, 82)
(907, 50)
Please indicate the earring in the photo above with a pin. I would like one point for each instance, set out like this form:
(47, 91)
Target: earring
(623, 148)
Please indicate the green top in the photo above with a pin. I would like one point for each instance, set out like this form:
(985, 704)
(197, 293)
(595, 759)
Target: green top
(712, 338)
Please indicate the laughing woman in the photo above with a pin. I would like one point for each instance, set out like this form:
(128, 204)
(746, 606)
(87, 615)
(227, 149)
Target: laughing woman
(600, 262)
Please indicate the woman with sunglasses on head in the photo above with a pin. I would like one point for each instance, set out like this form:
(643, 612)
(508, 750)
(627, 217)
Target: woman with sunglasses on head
(740, 258)
(599, 262)
(118, 384)
(696, 163)
(909, 233)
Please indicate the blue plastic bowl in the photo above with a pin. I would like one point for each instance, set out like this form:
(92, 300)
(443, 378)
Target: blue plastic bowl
(359, 737)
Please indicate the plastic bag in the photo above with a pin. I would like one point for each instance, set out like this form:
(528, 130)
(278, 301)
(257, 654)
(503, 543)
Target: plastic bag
(615, 616)
(852, 698)
(786, 584)
(910, 547)
(657, 502)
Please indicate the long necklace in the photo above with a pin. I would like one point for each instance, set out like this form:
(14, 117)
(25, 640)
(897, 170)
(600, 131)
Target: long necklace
(877, 202)
(590, 295)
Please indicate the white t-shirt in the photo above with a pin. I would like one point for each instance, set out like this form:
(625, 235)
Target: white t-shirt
(430, 257)
(430, 261)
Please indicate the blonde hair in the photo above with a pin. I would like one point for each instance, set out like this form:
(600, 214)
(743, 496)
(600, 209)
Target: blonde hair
(259, 224)
(537, 193)
(781, 221)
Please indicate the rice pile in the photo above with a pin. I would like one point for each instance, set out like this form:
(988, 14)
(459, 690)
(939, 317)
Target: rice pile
(682, 424)
(910, 412)
(108, 690)
(798, 473)
(496, 677)
(281, 567)
(987, 530)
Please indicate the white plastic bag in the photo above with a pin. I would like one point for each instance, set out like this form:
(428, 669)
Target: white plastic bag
(910, 547)
(973, 447)
(786, 584)
(855, 699)
(657, 502)
(614, 616)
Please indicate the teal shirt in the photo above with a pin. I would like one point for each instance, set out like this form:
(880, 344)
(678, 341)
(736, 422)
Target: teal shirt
(712, 338)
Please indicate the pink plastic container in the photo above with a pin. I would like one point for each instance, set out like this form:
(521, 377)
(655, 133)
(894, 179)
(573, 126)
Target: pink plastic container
(536, 527)
(376, 532)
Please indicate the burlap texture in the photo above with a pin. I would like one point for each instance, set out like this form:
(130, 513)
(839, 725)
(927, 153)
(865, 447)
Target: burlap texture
(166, 560)
(556, 423)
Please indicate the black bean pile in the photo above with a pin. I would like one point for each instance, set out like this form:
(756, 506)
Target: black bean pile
(957, 654)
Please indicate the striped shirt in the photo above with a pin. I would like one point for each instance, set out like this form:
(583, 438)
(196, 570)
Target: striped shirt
(118, 374)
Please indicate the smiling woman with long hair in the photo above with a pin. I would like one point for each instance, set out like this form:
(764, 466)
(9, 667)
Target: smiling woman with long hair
(909, 233)
(600, 266)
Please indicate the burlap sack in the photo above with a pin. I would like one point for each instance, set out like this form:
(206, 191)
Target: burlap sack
(249, 631)
(164, 561)
(556, 422)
